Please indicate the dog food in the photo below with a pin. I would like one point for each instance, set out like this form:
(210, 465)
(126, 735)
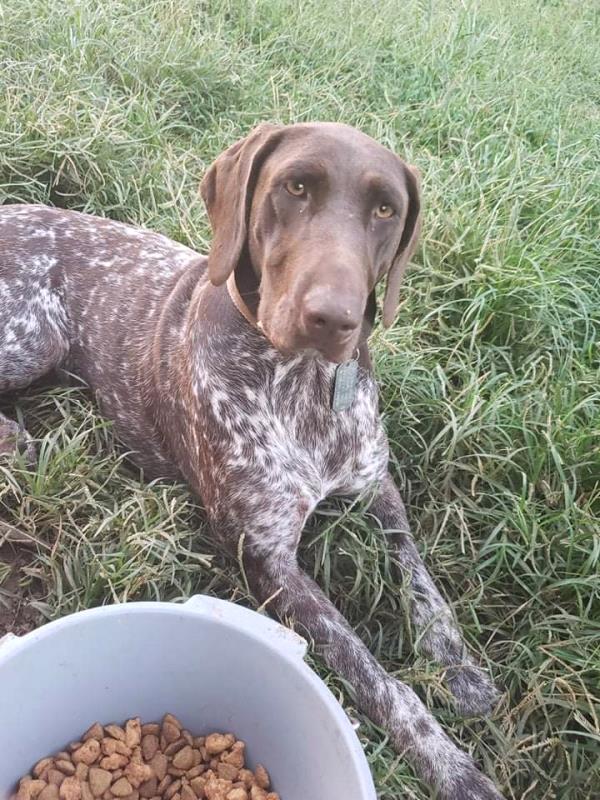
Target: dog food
(147, 762)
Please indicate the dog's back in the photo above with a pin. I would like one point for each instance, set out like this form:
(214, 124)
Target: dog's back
(84, 294)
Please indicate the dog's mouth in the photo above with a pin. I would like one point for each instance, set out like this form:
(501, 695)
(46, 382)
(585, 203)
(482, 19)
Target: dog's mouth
(300, 344)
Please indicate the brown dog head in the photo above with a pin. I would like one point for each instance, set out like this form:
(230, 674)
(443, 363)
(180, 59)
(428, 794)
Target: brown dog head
(319, 213)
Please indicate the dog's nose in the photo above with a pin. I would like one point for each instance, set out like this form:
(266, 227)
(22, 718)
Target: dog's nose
(327, 318)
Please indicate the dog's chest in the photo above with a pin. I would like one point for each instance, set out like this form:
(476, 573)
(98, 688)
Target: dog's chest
(280, 431)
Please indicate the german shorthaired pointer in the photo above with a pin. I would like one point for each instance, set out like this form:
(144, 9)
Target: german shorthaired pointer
(247, 374)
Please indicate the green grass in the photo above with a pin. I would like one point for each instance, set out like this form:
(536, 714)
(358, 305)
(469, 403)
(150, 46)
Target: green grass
(490, 378)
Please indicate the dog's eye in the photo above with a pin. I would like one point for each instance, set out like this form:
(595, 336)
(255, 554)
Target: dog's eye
(297, 188)
(384, 211)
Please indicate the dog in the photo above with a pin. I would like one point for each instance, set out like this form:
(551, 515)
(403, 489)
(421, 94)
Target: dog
(247, 374)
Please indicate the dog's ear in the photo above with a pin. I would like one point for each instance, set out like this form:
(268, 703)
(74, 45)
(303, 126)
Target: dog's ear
(227, 190)
(408, 242)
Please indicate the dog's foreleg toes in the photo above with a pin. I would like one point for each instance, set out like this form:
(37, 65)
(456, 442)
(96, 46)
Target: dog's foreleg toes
(15, 441)
(470, 785)
(474, 693)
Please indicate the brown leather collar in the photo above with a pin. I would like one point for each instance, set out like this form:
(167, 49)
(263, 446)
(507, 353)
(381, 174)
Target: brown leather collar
(240, 304)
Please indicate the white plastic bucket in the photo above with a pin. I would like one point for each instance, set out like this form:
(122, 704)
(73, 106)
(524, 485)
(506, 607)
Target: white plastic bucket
(215, 665)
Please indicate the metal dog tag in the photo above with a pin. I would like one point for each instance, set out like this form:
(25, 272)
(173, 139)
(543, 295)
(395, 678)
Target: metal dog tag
(344, 385)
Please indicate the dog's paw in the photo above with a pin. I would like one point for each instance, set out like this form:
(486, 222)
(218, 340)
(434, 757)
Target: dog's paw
(15, 441)
(471, 785)
(474, 693)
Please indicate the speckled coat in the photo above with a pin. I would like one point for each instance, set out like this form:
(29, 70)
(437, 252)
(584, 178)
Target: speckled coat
(196, 392)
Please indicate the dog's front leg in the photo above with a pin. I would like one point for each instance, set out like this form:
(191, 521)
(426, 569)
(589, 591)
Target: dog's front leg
(437, 633)
(269, 560)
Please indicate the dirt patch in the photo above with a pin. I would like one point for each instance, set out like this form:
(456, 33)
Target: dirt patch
(16, 613)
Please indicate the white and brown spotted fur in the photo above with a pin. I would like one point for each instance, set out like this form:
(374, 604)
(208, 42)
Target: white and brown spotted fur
(197, 392)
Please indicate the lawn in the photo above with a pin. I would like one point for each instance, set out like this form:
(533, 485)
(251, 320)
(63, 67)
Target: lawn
(490, 377)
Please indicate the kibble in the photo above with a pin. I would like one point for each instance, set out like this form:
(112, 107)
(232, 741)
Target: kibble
(152, 761)
(149, 746)
(88, 753)
(65, 766)
(55, 776)
(96, 731)
(99, 780)
(49, 793)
